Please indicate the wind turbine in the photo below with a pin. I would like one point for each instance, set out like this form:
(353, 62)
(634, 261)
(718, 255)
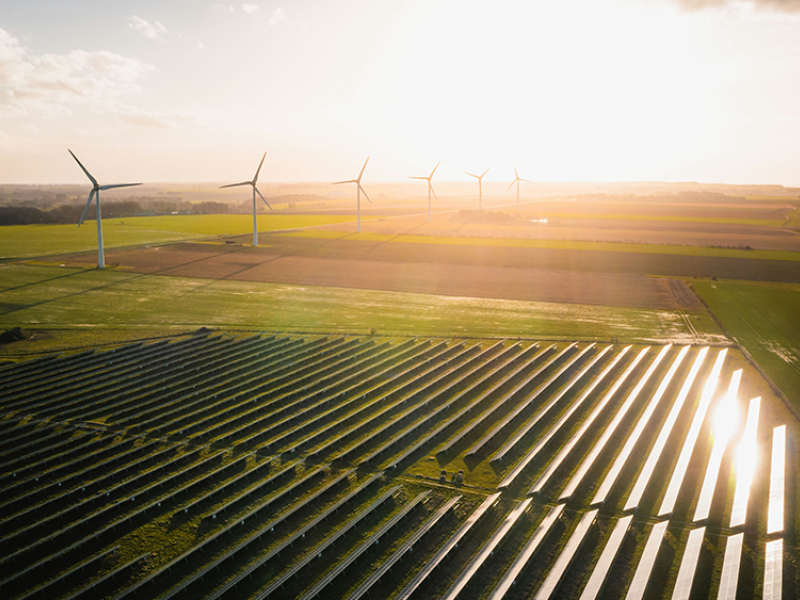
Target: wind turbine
(480, 186)
(255, 189)
(517, 179)
(430, 187)
(359, 189)
(95, 193)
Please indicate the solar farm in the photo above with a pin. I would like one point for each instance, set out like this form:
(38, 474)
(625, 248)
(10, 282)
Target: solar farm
(286, 466)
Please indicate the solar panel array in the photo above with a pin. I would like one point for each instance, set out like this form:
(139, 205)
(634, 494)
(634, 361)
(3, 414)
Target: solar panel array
(283, 466)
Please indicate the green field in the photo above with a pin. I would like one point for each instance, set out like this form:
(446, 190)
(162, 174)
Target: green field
(664, 218)
(48, 297)
(20, 241)
(558, 245)
(765, 319)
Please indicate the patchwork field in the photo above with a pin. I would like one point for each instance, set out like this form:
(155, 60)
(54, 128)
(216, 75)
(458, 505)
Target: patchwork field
(51, 298)
(284, 466)
(246, 264)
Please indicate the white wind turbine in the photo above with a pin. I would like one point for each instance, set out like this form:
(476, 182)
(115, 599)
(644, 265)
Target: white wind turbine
(95, 193)
(255, 190)
(359, 189)
(480, 186)
(430, 187)
(517, 179)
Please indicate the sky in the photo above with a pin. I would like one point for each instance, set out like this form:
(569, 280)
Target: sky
(568, 90)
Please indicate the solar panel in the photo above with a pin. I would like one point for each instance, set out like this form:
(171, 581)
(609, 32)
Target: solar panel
(445, 550)
(729, 581)
(683, 585)
(668, 504)
(622, 458)
(600, 572)
(655, 453)
(487, 550)
(746, 459)
(777, 480)
(773, 571)
(565, 559)
(642, 576)
(586, 425)
(725, 422)
(527, 552)
(528, 458)
(600, 445)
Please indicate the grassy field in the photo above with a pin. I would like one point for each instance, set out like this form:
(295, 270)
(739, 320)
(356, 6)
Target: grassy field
(665, 218)
(19, 241)
(764, 318)
(58, 299)
(559, 245)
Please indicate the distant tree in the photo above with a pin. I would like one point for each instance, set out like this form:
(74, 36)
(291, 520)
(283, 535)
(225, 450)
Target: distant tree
(210, 208)
(23, 215)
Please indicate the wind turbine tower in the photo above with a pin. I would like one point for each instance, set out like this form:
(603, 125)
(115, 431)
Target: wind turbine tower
(430, 187)
(255, 191)
(359, 189)
(95, 193)
(517, 179)
(480, 186)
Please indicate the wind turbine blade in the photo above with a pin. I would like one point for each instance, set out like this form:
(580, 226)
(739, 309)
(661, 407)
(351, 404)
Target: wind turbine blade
(365, 193)
(348, 181)
(264, 199)
(512, 185)
(255, 179)
(89, 175)
(432, 190)
(485, 172)
(362, 169)
(117, 185)
(434, 169)
(471, 175)
(525, 180)
(236, 184)
(424, 178)
(516, 175)
(85, 208)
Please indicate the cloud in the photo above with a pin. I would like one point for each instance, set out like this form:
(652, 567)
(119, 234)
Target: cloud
(228, 7)
(47, 84)
(279, 16)
(201, 46)
(251, 9)
(786, 6)
(153, 31)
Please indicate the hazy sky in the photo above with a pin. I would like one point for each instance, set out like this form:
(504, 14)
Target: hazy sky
(611, 90)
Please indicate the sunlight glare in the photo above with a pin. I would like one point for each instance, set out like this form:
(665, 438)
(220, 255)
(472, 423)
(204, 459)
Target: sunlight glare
(726, 417)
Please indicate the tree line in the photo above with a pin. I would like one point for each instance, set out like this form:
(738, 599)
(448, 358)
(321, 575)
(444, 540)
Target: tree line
(71, 213)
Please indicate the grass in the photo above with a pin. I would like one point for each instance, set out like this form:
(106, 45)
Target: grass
(665, 218)
(763, 318)
(20, 241)
(560, 245)
(37, 297)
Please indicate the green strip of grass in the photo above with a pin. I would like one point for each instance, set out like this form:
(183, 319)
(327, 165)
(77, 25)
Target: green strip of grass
(53, 298)
(558, 245)
(763, 318)
(19, 241)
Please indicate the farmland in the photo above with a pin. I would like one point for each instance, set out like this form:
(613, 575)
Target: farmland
(763, 318)
(46, 297)
(273, 465)
(20, 241)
